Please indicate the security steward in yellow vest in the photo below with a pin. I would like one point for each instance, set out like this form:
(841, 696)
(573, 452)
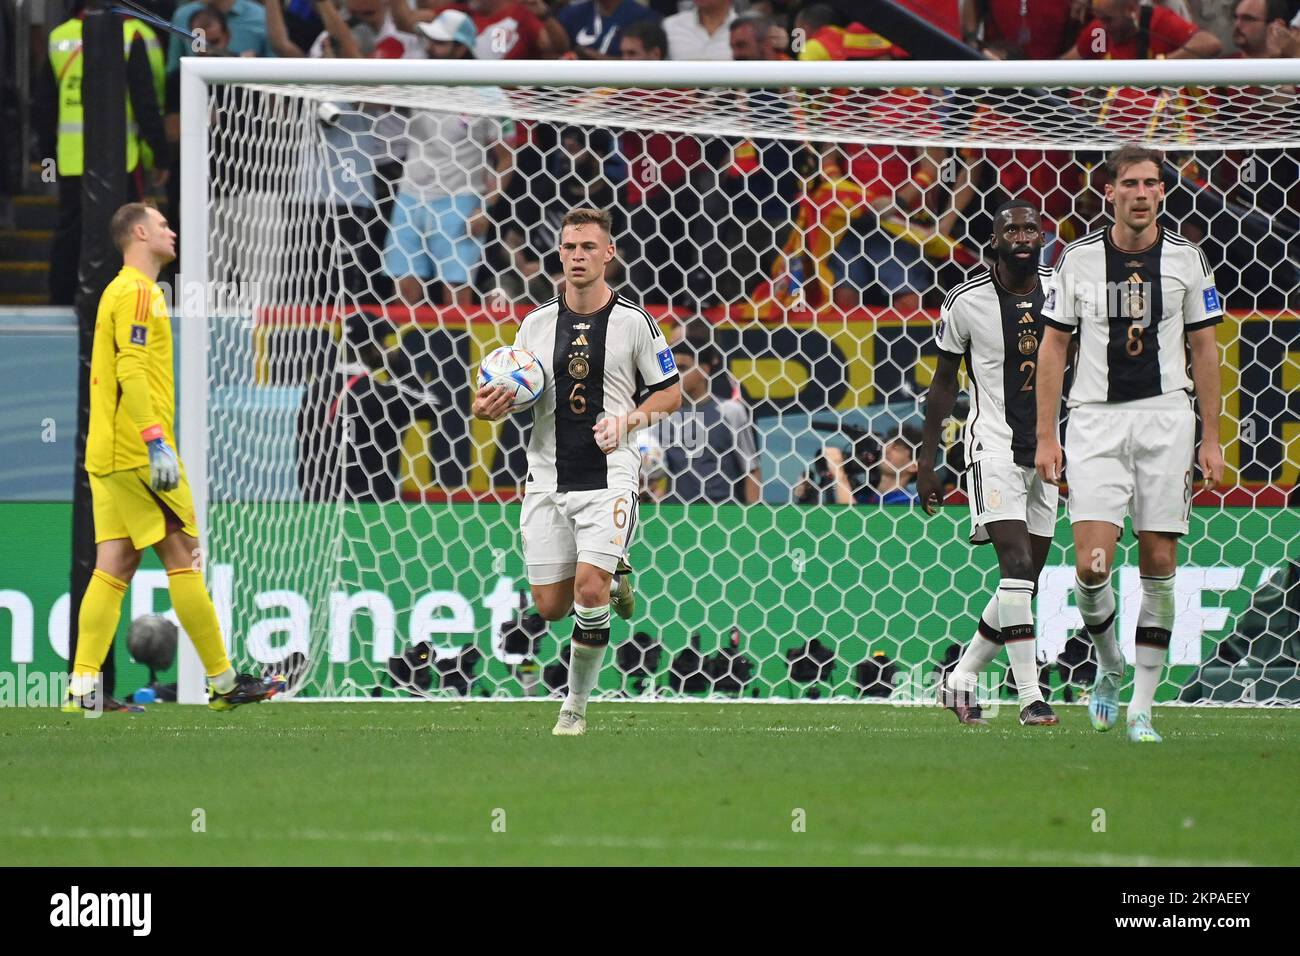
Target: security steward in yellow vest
(59, 120)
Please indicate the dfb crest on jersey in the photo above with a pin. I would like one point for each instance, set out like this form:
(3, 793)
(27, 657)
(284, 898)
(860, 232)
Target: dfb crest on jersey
(1136, 299)
(1028, 344)
(578, 367)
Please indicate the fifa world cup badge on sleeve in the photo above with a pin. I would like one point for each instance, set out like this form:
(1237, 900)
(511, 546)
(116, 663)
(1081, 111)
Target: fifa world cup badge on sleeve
(1211, 296)
(139, 334)
(666, 361)
(1051, 299)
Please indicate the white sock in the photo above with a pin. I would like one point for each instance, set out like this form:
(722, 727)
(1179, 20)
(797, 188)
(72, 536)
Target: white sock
(591, 637)
(979, 653)
(224, 682)
(1146, 677)
(1154, 627)
(1016, 618)
(584, 669)
(1097, 608)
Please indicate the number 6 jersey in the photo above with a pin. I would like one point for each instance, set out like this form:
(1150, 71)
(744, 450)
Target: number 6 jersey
(596, 365)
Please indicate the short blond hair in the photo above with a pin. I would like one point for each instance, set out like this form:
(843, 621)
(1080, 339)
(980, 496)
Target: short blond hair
(124, 220)
(586, 216)
(1126, 156)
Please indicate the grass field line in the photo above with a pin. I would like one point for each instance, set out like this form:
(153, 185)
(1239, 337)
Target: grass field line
(867, 703)
(796, 845)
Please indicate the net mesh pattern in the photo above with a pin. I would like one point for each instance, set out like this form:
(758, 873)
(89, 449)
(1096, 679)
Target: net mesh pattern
(369, 244)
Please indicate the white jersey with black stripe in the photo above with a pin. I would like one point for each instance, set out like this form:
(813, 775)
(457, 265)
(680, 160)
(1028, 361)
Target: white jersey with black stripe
(1132, 311)
(997, 331)
(597, 364)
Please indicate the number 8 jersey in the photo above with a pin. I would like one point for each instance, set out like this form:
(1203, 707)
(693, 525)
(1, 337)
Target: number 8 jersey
(998, 332)
(1133, 311)
(596, 365)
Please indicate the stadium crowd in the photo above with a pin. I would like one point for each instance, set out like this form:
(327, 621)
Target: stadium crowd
(434, 209)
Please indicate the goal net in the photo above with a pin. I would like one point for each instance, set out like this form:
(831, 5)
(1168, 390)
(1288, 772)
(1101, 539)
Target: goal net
(362, 233)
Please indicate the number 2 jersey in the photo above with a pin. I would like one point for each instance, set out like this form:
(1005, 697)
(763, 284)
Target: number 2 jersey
(1132, 311)
(997, 331)
(596, 364)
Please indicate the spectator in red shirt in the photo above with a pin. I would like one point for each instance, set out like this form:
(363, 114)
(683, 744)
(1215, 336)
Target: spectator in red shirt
(944, 14)
(1115, 34)
(1022, 29)
(507, 30)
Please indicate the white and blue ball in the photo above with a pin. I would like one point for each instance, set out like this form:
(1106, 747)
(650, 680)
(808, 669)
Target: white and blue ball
(518, 370)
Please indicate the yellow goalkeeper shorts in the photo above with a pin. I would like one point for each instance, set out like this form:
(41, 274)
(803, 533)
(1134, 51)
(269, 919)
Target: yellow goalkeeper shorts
(126, 507)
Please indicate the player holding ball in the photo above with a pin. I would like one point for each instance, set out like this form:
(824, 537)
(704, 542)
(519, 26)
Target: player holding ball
(600, 352)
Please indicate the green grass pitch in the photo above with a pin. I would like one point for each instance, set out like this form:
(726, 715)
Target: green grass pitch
(485, 783)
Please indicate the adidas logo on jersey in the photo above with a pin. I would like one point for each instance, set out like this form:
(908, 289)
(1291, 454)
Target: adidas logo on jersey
(580, 340)
(1026, 319)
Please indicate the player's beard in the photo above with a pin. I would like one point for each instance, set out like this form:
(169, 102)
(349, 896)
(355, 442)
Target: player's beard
(1019, 270)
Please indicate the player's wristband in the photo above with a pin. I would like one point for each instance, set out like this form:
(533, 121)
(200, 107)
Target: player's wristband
(152, 433)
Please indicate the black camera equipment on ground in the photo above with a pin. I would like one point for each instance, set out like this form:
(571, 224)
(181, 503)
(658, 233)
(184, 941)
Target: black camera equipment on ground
(638, 659)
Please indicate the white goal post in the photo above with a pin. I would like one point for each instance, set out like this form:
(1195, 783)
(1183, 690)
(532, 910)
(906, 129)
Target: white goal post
(339, 583)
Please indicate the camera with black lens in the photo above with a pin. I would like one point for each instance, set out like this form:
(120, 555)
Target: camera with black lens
(862, 455)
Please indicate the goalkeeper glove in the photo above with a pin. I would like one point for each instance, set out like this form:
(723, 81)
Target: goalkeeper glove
(164, 468)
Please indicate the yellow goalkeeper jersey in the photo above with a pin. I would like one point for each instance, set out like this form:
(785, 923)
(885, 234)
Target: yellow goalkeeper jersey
(131, 383)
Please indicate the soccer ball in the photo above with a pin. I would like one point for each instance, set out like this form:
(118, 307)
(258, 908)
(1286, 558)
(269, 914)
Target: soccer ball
(516, 369)
(152, 641)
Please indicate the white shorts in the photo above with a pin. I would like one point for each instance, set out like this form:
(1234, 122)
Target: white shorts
(1001, 490)
(1132, 458)
(561, 528)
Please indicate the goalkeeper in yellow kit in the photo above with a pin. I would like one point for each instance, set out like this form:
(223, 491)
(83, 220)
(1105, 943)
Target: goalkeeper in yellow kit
(141, 497)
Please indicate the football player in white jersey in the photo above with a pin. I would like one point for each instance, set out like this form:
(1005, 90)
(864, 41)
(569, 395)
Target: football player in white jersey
(1139, 298)
(994, 322)
(601, 353)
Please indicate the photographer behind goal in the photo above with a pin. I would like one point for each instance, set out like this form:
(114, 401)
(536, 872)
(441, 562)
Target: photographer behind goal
(864, 472)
